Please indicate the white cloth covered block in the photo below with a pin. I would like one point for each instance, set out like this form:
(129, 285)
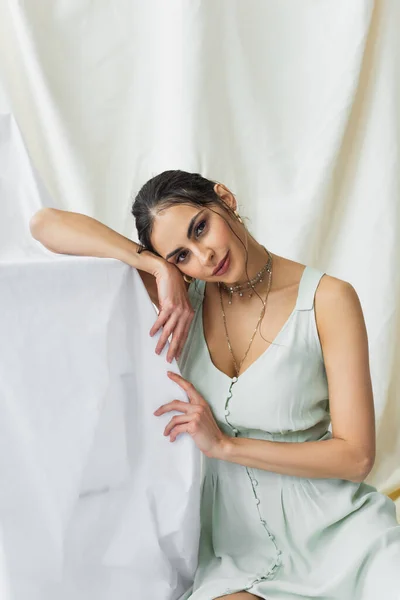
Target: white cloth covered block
(95, 503)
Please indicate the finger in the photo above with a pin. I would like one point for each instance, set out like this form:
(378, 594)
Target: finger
(174, 405)
(181, 381)
(177, 420)
(195, 398)
(168, 329)
(162, 318)
(175, 342)
(180, 429)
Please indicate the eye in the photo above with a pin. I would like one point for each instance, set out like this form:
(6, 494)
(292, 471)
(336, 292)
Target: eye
(198, 231)
(198, 226)
(177, 258)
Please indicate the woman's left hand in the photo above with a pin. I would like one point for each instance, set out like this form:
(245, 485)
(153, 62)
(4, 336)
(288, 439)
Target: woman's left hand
(197, 419)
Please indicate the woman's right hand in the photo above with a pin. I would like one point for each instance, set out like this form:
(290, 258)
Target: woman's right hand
(176, 312)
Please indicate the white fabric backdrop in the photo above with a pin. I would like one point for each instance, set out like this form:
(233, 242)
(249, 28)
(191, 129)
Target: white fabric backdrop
(293, 105)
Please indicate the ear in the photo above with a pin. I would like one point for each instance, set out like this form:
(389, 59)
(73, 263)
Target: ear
(226, 195)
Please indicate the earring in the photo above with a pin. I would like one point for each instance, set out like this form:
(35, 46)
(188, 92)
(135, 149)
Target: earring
(239, 218)
(188, 279)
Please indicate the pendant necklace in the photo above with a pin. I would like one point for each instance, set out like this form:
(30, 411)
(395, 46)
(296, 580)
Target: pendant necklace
(235, 289)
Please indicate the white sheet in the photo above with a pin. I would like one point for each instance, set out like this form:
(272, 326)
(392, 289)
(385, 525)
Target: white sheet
(95, 503)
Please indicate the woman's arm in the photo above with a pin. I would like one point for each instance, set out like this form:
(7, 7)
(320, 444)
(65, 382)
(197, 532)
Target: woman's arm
(350, 454)
(67, 232)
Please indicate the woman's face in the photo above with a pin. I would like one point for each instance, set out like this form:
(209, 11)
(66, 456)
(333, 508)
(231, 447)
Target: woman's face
(196, 239)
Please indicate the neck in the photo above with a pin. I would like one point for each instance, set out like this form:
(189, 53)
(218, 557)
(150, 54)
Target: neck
(257, 258)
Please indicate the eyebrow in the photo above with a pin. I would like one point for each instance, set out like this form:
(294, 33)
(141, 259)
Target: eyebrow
(189, 233)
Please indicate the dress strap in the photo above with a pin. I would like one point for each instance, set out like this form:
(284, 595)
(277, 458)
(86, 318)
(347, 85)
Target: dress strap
(196, 292)
(307, 288)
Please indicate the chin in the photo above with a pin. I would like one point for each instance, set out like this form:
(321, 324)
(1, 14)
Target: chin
(227, 280)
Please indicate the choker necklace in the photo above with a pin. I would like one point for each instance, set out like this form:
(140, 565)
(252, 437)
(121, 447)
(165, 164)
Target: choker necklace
(243, 287)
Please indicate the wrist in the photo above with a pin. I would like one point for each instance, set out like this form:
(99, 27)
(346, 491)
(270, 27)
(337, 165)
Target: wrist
(149, 262)
(161, 267)
(224, 448)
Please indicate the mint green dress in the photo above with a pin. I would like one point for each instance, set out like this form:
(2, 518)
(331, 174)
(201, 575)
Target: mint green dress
(281, 536)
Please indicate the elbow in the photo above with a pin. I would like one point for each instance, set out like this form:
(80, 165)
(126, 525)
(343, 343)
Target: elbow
(38, 221)
(363, 467)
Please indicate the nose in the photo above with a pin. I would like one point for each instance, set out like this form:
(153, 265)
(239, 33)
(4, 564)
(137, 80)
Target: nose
(206, 257)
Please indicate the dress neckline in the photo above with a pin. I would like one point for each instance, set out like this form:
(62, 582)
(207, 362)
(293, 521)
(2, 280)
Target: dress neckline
(266, 351)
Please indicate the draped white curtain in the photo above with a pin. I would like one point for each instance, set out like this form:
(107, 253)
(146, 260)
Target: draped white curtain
(293, 105)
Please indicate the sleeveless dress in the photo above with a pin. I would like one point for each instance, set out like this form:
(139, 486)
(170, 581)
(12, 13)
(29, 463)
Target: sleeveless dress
(280, 536)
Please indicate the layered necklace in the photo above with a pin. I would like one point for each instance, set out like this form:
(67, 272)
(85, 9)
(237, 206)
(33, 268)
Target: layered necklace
(240, 289)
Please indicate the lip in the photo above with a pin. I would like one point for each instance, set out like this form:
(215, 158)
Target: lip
(224, 265)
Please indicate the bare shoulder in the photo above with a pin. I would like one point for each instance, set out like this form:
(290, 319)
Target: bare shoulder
(334, 294)
(338, 312)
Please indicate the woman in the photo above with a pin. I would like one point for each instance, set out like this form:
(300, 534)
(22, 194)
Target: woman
(259, 340)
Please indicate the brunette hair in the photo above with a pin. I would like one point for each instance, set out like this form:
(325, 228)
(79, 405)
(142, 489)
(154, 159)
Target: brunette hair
(168, 189)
